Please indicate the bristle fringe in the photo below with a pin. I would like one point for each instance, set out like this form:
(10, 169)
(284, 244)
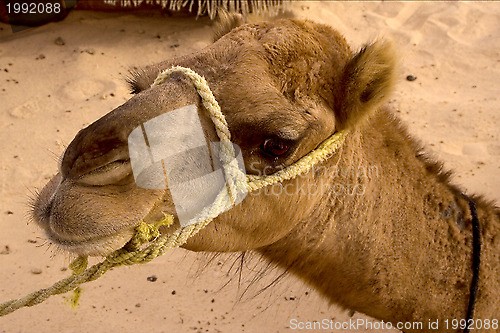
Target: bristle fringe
(210, 7)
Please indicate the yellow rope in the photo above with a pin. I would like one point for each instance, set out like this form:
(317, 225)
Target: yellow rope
(132, 253)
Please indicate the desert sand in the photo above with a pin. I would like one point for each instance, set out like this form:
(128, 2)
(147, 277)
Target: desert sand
(49, 91)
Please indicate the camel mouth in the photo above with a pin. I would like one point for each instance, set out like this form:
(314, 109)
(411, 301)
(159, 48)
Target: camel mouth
(69, 228)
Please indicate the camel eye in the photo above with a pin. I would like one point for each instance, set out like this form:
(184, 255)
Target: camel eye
(275, 147)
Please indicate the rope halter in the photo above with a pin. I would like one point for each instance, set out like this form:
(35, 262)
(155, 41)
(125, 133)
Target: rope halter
(147, 242)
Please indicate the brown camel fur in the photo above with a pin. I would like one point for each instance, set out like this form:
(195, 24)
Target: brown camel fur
(377, 228)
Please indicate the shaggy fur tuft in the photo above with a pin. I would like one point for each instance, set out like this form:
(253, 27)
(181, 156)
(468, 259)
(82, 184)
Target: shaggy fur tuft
(225, 23)
(140, 79)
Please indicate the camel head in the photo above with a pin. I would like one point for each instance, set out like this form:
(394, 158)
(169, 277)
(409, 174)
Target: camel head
(283, 86)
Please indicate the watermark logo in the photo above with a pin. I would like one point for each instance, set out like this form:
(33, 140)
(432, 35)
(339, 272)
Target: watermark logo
(170, 151)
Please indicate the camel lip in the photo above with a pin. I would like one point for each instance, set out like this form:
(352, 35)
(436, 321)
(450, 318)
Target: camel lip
(93, 245)
(100, 245)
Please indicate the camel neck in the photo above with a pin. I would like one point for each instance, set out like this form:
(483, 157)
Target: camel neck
(392, 239)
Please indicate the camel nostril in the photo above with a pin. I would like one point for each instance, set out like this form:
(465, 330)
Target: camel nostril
(84, 156)
(108, 174)
(97, 145)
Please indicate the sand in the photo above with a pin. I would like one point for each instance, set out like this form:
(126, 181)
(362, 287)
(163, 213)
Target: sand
(49, 91)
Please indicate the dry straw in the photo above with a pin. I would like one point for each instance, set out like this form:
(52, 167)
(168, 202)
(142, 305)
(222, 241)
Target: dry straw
(210, 7)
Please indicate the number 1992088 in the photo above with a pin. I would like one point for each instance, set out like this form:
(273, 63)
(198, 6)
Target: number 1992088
(33, 8)
(472, 324)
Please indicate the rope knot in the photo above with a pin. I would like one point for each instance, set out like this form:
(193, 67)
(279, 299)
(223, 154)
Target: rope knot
(147, 232)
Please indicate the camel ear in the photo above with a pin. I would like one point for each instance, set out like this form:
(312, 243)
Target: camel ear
(367, 82)
(226, 22)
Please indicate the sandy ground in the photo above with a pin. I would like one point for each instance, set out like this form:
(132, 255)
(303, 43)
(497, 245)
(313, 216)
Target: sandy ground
(48, 92)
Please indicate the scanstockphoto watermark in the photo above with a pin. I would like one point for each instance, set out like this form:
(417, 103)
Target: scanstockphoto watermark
(171, 151)
(366, 324)
(334, 180)
(361, 171)
(352, 324)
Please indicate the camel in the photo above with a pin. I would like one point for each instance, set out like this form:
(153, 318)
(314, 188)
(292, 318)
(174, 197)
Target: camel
(377, 228)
